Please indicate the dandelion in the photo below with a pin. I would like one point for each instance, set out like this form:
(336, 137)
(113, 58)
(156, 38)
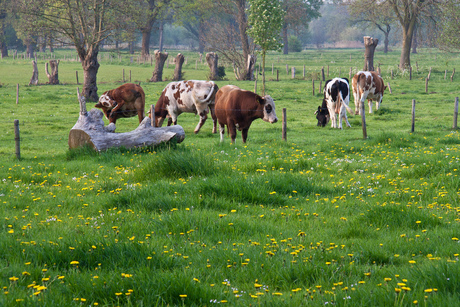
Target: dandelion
(74, 262)
(182, 295)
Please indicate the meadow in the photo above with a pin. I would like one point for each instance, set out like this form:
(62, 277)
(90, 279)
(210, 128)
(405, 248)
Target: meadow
(324, 217)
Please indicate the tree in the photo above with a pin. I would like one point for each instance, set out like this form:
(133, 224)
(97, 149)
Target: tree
(85, 23)
(449, 38)
(298, 13)
(371, 12)
(266, 19)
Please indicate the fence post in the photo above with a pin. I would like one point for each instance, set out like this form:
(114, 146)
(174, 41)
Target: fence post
(389, 88)
(363, 119)
(17, 93)
(277, 75)
(130, 75)
(293, 72)
(322, 74)
(455, 113)
(349, 74)
(452, 76)
(313, 85)
(76, 75)
(152, 115)
(413, 116)
(255, 86)
(284, 124)
(287, 69)
(426, 84)
(123, 75)
(17, 139)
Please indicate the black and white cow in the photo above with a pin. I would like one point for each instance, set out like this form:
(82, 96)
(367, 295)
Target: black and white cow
(322, 114)
(337, 98)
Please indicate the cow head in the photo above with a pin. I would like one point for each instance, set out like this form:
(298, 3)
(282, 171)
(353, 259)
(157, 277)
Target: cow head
(269, 110)
(322, 115)
(106, 101)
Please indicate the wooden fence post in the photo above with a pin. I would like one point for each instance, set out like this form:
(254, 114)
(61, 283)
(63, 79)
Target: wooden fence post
(17, 93)
(255, 86)
(322, 74)
(277, 75)
(413, 116)
(152, 116)
(426, 84)
(455, 113)
(363, 119)
(273, 71)
(123, 75)
(389, 88)
(349, 74)
(452, 76)
(293, 72)
(284, 124)
(287, 69)
(76, 75)
(130, 75)
(17, 139)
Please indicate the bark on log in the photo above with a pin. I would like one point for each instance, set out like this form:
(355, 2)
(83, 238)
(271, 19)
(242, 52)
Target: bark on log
(370, 44)
(212, 59)
(179, 60)
(53, 76)
(34, 79)
(90, 130)
(160, 59)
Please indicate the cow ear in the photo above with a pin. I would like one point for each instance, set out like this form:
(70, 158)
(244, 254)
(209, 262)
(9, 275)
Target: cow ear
(260, 99)
(98, 105)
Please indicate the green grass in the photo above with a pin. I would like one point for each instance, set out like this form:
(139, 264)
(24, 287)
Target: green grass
(323, 217)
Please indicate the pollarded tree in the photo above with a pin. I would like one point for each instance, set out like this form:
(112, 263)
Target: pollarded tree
(266, 19)
(85, 23)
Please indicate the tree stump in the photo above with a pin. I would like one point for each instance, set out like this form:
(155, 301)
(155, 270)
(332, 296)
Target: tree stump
(212, 59)
(34, 79)
(250, 65)
(160, 59)
(53, 76)
(90, 130)
(179, 60)
(370, 44)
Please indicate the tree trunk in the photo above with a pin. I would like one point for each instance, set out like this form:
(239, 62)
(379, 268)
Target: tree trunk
(160, 59)
(250, 65)
(50, 45)
(146, 42)
(243, 25)
(212, 60)
(386, 42)
(131, 47)
(42, 47)
(263, 73)
(3, 45)
(414, 41)
(53, 76)
(30, 50)
(179, 60)
(34, 79)
(90, 130)
(160, 43)
(370, 44)
(285, 39)
(90, 67)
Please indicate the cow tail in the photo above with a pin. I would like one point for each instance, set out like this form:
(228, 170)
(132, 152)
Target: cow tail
(338, 105)
(210, 94)
(347, 104)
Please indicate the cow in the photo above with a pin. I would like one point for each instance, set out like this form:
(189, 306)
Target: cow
(322, 114)
(336, 98)
(237, 109)
(367, 85)
(124, 101)
(191, 96)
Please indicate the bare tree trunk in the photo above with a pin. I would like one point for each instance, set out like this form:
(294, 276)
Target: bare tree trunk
(53, 76)
(414, 41)
(179, 60)
(3, 45)
(34, 79)
(243, 25)
(50, 45)
(145, 43)
(131, 47)
(160, 59)
(285, 39)
(42, 47)
(90, 67)
(370, 44)
(386, 42)
(250, 65)
(30, 49)
(212, 60)
(160, 43)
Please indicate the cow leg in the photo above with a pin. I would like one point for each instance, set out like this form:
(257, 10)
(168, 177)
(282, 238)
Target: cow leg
(140, 114)
(333, 115)
(214, 118)
(377, 105)
(344, 115)
(159, 121)
(244, 134)
(203, 118)
(356, 97)
(231, 130)
(222, 132)
(370, 105)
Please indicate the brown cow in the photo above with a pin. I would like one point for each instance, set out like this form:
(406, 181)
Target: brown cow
(124, 101)
(367, 85)
(238, 108)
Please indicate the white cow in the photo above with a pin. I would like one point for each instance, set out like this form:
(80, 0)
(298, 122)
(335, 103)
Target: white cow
(190, 96)
(337, 97)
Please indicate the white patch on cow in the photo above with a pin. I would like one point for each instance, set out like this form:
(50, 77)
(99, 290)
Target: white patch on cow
(106, 101)
(269, 116)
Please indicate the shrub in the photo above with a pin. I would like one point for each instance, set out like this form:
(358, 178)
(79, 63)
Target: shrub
(294, 44)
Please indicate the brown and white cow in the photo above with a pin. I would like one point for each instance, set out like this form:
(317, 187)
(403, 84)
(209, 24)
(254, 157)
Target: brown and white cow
(124, 101)
(238, 108)
(367, 85)
(192, 96)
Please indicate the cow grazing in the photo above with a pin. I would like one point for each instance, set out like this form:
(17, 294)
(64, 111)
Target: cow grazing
(190, 96)
(238, 108)
(367, 85)
(336, 98)
(124, 101)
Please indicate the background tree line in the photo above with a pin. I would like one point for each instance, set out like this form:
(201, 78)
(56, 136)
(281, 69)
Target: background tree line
(219, 26)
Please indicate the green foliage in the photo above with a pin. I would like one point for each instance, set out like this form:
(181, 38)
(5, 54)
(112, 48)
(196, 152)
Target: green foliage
(294, 44)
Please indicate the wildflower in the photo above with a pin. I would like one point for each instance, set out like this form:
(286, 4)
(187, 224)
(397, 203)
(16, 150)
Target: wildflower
(74, 262)
(182, 295)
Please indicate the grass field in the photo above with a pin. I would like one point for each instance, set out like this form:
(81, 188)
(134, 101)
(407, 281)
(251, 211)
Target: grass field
(323, 218)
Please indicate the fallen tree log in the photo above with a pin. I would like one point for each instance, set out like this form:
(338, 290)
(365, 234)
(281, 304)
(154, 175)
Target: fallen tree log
(90, 130)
